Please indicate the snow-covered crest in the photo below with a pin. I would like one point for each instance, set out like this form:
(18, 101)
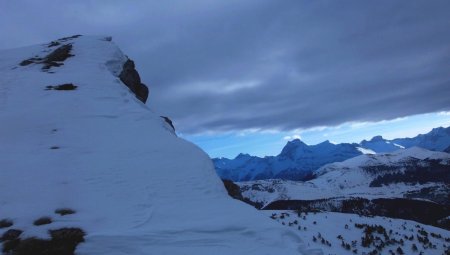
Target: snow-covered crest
(136, 188)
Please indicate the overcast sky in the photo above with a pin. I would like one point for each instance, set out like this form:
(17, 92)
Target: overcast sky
(229, 66)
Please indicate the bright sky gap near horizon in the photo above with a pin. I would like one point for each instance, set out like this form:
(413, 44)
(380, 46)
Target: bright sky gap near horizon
(246, 76)
(270, 143)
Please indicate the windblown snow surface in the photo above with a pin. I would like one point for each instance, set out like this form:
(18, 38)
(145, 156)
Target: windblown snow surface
(135, 186)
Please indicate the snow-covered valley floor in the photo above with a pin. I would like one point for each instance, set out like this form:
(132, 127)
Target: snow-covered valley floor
(331, 232)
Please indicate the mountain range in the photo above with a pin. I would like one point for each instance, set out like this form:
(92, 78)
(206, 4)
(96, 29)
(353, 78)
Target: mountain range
(416, 178)
(298, 161)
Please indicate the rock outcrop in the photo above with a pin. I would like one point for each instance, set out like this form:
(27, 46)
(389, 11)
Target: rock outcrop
(168, 121)
(54, 59)
(130, 77)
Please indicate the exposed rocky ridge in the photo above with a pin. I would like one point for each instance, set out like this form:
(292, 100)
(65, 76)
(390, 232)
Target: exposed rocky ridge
(53, 59)
(168, 121)
(130, 77)
(234, 191)
(63, 242)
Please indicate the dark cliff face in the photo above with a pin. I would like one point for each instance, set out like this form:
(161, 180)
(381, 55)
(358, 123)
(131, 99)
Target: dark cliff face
(234, 191)
(130, 77)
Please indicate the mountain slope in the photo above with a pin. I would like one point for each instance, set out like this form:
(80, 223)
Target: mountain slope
(415, 180)
(94, 147)
(295, 162)
(437, 139)
(356, 177)
(297, 159)
(379, 145)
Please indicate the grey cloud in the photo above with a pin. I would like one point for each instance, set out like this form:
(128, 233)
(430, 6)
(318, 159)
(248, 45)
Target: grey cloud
(308, 63)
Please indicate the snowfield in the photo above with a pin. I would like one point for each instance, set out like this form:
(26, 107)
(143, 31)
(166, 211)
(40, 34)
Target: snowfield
(135, 187)
(347, 179)
(337, 228)
(268, 191)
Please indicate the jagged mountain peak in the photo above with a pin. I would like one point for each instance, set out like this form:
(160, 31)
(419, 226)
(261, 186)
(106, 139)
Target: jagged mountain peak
(243, 156)
(296, 142)
(377, 138)
(440, 131)
(326, 143)
(298, 158)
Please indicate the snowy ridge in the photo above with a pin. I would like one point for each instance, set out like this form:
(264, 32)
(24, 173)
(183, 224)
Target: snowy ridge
(379, 144)
(438, 139)
(297, 159)
(385, 159)
(350, 178)
(295, 162)
(136, 188)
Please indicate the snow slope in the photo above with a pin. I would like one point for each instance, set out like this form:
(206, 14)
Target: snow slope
(349, 178)
(135, 186)
(342, 227)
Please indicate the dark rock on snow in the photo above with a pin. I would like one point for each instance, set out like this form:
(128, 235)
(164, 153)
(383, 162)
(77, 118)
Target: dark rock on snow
(53, 59)
(11, 234)
(63, 242)
(5, 223)
(130, 77)
(30, 61)
(42, 221)
(234, 191)
(53, 44)
(68, 38)
(169, 121)
(64, 211)
(56, 56)
(67, 86)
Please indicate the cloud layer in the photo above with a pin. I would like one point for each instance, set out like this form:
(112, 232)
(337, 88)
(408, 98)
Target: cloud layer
(216, 66)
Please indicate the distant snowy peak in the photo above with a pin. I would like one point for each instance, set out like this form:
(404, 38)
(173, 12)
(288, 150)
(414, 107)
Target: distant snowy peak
(297, 159)
(397, 158)
(293, 148)
(379, 145)
(402, 174)
(295, 162)
(438, 139)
